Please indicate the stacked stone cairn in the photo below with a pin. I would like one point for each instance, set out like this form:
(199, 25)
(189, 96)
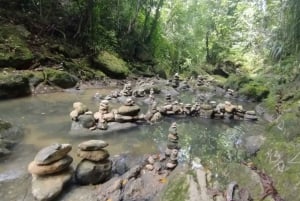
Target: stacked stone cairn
(175, 81)
(95, 166)
(206, 110)
(229, 109)
(103, 115)
(200, 80)
(172, 147)
(81, 116)
(153, 115)
(51, 171)
(127, 90)
(128, 112)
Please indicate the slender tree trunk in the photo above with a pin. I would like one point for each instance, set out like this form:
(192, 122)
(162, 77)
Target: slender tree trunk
(155, 21)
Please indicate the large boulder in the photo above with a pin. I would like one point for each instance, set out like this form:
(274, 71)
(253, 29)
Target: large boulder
(111, 65)
(60, 78)
(46, 188)
(12, 86)
(14, 50)
(88, 172)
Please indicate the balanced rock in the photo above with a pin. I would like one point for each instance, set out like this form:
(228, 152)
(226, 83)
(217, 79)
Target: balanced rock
(92, 145)
(52, 153)
(46, 188)
(54, 167)
(96, 155)
(129, 110)
(88, 172)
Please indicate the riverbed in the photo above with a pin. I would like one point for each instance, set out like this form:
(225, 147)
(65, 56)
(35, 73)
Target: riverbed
(45, 118)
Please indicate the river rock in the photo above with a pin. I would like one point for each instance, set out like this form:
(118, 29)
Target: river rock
(92, 145)
(52, 153)
(86, 120)
(54, 167)
(96, 155)
(88, 172)
(129, 110)
(46, 188)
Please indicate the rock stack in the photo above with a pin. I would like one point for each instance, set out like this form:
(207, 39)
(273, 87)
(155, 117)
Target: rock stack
(127, 112)
(172, 139)
(206, 110)
(95, 166)
(51, 171)
(173, 160)
(175, 81)
(127, 90)
(81, 116)
(103, 115)
(200, 80)
(230, 110)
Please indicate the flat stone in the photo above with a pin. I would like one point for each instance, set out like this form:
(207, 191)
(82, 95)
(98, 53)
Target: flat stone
(54, 167)
(171, 165)
(92, 145)
(129, 110)
(88, 172)
(52, 153)
(96, 155)
(46, 188)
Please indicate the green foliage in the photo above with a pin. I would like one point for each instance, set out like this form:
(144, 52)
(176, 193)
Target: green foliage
(237, 81)
(177, 189)
(14, 50)
(255, 90)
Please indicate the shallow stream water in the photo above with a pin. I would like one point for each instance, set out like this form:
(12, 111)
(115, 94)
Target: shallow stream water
(46, 120)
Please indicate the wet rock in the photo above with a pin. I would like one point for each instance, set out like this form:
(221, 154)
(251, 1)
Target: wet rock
(92, 145)
(60, 78)
(52, 168)
(111, 65)
(46, 188)
(52, 153)
(12, 86)
(129, 110)
(88, 172)
(96, 155)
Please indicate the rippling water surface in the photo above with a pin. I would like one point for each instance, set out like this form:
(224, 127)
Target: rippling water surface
(46, 121)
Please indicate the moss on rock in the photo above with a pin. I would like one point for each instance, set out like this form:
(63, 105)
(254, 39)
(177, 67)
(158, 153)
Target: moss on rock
(12, 86)
(14, 50)
(111, 65)
(255, 90)
(60, 78)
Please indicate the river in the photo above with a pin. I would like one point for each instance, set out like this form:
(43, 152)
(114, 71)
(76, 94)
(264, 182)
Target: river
(46, 120)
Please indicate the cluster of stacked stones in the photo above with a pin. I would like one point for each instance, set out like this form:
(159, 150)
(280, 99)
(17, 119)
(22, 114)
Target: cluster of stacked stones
(169, 159)
(127, 90)
(50, 171)
(95, 166)
(172, 146)
(175, 81)
(103, 115)
(82, 115)
(211, 109)
(128, 112)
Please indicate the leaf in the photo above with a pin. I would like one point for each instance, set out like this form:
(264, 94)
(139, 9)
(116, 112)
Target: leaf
(163, 180)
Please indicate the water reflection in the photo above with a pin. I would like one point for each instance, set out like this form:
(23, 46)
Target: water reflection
(46, 117)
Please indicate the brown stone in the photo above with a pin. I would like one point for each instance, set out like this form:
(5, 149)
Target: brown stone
(92, 145)
(96, 155)
(54, 167)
